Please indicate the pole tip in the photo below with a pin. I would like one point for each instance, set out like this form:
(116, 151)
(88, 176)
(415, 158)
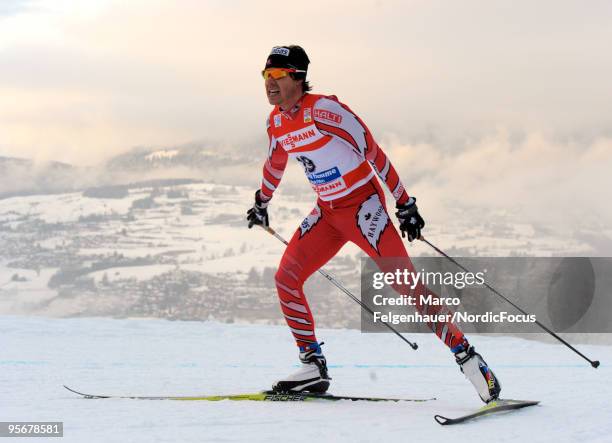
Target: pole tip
(595, 364)
(415, 347)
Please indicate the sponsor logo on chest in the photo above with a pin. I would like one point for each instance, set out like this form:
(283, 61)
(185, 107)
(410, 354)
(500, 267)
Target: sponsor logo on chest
(330, 187)
(299, 138)
(307, 163)
(307, 115)
(324, 176)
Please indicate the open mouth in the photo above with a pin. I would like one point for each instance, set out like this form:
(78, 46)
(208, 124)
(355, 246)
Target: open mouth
(273, 92)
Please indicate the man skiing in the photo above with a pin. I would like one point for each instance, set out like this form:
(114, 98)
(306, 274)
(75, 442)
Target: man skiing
(341, 161)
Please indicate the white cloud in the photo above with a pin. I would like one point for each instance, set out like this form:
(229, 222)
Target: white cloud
(536, 179)
(82, 81)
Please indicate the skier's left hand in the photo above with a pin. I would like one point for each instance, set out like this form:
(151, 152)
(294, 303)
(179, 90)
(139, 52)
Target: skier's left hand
(410, 220)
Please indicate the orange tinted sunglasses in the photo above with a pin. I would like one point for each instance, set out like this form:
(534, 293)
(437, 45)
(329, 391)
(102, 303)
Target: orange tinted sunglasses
(278, 73)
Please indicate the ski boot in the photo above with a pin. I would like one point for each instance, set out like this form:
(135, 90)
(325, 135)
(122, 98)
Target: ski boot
(477, 372)
(311, 377)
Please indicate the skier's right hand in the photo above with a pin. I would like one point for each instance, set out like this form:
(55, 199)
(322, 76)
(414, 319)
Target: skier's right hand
(258, 214)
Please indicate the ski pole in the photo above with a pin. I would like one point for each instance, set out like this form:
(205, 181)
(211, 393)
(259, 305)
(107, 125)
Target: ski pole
(335, 282)
(594, 363)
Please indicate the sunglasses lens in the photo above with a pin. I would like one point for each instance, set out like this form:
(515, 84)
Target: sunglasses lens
(275, 73)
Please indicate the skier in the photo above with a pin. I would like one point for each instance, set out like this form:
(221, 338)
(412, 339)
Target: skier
(340, 159)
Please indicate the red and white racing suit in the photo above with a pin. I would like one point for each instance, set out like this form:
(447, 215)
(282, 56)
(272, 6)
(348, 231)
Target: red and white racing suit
(340, 159)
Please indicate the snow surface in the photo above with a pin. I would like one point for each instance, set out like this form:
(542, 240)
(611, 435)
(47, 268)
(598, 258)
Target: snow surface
(148, 357)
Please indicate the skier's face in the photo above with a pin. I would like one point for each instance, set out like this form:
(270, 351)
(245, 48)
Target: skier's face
(284, 92)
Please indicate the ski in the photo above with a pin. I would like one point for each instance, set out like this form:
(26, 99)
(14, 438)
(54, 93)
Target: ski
(256, 396)
(493, 407)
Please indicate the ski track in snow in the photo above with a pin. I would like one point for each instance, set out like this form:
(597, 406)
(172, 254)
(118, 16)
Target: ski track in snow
(157, 357)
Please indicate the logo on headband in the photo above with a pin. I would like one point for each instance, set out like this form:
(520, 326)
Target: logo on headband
(280, 51)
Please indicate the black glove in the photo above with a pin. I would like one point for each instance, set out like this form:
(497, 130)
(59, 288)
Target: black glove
(410, 220)
(258, 214)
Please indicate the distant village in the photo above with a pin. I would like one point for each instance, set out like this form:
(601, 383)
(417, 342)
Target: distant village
(86, 252)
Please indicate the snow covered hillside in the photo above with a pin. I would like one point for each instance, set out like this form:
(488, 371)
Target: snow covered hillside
(137, 356)
(175, 249)
(165, 250)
